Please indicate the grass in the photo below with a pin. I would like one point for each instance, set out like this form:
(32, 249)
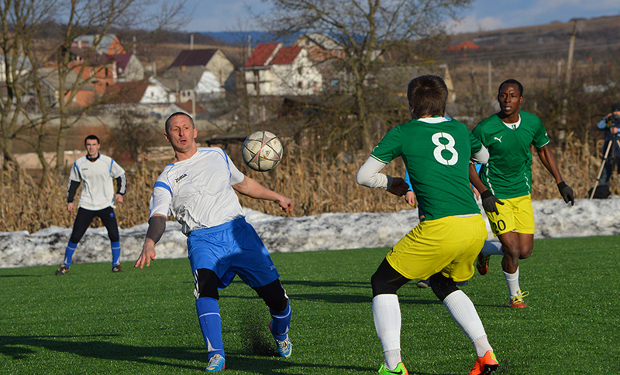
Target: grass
(92, 321)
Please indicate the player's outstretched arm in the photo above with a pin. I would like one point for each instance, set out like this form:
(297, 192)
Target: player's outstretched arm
(157, 226)
(253, 189)
(548, 160)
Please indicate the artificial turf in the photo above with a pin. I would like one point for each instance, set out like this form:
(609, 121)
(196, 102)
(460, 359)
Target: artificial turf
(93, 321)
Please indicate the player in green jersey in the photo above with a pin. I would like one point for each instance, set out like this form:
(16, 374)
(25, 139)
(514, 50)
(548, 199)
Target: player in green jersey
(443, 247)
(506, 180)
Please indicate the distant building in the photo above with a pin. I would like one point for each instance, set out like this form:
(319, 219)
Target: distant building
(274, 69)
(203, 73)
(466, 45)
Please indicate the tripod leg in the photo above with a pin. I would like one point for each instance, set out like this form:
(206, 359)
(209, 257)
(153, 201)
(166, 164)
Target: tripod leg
(600, 172)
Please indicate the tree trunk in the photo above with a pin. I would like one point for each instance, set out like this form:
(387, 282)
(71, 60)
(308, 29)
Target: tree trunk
(61, 142)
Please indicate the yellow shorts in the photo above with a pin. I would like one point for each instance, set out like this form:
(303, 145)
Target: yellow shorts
(517, 214)
(448, 245)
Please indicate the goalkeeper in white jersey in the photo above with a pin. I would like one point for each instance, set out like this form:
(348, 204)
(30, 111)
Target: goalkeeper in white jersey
(97, 199)
(198, 189)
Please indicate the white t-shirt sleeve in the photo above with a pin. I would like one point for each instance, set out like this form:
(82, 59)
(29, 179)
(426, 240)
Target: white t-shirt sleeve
(160, 200)
(116, 170)
(235, 175)
(74, 175)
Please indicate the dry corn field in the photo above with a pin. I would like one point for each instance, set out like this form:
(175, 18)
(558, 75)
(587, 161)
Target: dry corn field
(316, 183)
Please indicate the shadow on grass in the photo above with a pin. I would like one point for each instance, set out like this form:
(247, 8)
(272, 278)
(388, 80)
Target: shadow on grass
(20, 347)
(16, 347)
(21, 275)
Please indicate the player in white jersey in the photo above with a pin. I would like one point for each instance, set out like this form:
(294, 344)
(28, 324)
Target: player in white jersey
(98, 198)
(198, 189)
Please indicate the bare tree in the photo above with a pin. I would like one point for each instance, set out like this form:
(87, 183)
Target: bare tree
(36, 39)
(364, 32)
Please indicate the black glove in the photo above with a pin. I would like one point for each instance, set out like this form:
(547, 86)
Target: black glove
(567, 193)
(489, 200)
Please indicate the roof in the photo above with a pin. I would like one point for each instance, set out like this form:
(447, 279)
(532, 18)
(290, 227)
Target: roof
(273, 54)
(122, 60)
(126, 92)
(468, 44)
(104, 44)
(261, 54)
(188, 57)
(175, 79)
(50, 75)
(286, 55)
(187, 107)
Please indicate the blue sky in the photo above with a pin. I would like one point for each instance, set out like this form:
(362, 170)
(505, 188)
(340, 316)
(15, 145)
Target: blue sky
(232, 15)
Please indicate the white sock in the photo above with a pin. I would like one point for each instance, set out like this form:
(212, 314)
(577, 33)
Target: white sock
(386, 314)
(512, 279)
(464, 313)
(492, 248)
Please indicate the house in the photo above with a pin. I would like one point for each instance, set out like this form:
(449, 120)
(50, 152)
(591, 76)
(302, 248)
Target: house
(206, 72)
(85, 95)
(192, 82)
(148, 91)
(466, 45)
(274, 69)
(128, 67)
(108, 44)
(23, 66)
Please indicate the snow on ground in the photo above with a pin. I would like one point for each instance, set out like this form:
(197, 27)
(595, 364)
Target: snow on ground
(330, 231)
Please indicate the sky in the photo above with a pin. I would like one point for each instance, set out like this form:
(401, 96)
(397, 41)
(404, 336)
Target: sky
(330, 231)
(483, 15)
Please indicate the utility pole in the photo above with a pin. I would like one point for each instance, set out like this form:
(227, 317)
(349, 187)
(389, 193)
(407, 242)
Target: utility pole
(569, 65)
(490, 81)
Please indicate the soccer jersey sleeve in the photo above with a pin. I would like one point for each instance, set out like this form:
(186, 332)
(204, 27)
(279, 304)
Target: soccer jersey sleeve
(235, 175)
(389, 148)
(160, 199)
(540, 137)
(116, 170)
(74, 175)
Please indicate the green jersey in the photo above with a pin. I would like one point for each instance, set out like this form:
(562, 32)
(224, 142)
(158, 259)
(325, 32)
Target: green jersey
(436, 152)
(508, 173)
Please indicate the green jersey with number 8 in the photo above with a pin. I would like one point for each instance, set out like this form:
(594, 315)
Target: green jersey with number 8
(436, 152)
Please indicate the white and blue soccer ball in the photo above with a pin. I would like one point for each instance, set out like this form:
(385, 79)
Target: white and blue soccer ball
(262, 151)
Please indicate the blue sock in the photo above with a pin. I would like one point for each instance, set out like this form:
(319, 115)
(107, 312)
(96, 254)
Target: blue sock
(69, 253)
(210, 324)
(116, 253)
(281, 322)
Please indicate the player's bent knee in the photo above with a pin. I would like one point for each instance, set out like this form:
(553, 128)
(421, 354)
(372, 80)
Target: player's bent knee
(274, 295)
(442, 286)
(206, 284)
(386, 280)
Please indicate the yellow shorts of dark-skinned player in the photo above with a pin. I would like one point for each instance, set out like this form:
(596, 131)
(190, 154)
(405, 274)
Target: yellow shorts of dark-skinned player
(448, 245)
(516, 214)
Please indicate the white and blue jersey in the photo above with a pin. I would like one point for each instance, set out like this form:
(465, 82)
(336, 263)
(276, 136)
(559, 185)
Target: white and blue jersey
(98, 188)
(198, 192)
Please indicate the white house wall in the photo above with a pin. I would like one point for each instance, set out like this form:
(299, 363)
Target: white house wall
(286, 79)
(154, 94)
(208, 84)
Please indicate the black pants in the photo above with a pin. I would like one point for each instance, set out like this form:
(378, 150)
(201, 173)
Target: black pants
(85, 217)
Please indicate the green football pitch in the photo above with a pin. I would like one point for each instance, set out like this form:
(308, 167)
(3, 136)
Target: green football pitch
(93, 321)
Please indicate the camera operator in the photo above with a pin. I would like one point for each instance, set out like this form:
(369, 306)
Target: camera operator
(610, 124)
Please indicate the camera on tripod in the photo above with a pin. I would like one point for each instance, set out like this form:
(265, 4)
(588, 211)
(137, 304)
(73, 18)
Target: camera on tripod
(613, 120)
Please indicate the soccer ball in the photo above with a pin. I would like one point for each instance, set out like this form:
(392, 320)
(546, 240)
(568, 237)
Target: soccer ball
(262, 151)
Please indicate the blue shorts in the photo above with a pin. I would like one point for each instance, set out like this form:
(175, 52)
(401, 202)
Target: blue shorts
(230, 249)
